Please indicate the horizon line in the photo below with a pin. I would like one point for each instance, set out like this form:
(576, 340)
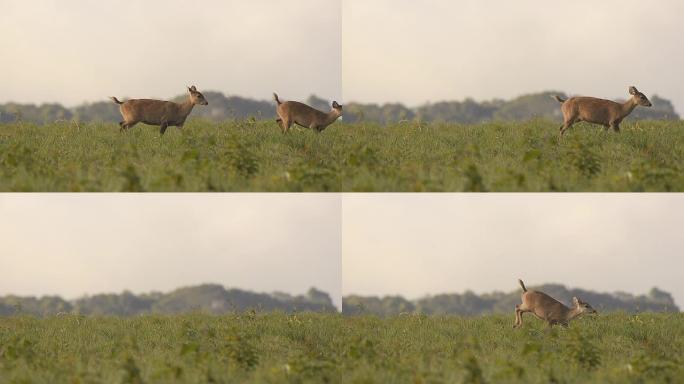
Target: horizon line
(269, 100)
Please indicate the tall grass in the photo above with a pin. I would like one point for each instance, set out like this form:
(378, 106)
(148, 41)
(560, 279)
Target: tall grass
(158, 349)
(610, 348)
(255, 156)
(330, 348)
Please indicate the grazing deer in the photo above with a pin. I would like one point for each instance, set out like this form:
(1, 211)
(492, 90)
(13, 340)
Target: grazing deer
(599, 111)
(158, 112)
(548, 309)
(292, 112)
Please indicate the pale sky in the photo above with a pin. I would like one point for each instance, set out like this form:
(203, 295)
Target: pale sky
(369, 244)
(420, 244)
(431, 50)
(76, 244)
(70, 51)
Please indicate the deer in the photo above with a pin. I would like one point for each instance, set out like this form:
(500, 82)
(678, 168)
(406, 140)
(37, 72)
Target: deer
(607, 113)
(293, 112)
(158, 112)
(548, 309)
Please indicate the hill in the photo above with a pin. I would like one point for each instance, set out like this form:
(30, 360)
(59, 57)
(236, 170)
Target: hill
(469, 303)
(209, 298)
(222, 108)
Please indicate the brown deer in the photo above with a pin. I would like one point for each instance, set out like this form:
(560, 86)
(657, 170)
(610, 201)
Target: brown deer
(548, 309)
(293, 112)
(158, 112)
(599, 111)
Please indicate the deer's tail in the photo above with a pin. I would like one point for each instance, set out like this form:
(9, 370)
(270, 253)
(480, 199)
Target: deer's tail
(559, 99)
(275, 97)
(114, 99)
(522, 285)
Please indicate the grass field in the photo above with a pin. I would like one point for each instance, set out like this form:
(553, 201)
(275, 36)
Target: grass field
(255, 156)
(320, 348)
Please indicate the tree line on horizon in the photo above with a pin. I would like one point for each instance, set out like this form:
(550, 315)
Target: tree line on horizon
(222, 107)
(215, 299)
(472, 304)
(209, 298)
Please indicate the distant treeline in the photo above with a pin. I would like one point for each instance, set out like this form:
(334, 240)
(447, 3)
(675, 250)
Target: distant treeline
(469, 111)
(470, 303)
(209, 298)
(222, 107)
(212, 298)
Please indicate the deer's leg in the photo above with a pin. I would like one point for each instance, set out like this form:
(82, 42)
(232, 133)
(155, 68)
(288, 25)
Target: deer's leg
(515, 324)
(121, 126)
(518, 317)
(567, 125)
(287, 124)
(130, 124)
(162, 128)
(615, 124)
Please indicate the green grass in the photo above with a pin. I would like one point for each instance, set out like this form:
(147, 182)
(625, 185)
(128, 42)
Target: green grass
(612, 348)
(319, 348)
(255, 156)
(189, 349)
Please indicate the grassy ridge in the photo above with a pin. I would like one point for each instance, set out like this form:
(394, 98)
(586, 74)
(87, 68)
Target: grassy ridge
(612, 348)
(188, 349)
(254, 156)
(317, 348)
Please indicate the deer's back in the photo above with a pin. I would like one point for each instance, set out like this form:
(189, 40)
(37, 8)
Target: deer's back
(148, 110)
(300, 112)
(544, 306)
(592, 109)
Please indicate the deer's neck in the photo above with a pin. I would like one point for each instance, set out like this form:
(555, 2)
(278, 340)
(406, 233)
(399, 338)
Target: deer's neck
(331, 117)
(186, 107)
(628, 106)
(573, 313)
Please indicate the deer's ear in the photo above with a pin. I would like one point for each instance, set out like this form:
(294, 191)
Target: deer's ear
(633, 90)
(335, 105)
(575, 301)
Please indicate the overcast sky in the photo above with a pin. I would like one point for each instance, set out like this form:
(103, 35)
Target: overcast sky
(417, 51)
(416, 245)
(79, 244)
(370, 244)
(71, 51)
